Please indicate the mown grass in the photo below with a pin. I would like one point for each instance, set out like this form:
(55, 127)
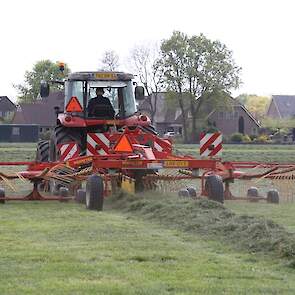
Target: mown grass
(55, 248)
(282, 213)
(164, 246)
(243, 231)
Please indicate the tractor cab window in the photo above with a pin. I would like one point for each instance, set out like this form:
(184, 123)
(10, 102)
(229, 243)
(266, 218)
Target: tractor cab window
(74, 90)
(109, 99)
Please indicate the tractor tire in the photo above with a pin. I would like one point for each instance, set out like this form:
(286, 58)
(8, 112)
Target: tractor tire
(183, 193)
(2, 195)
(80, 196)
(273, 197)
(62, 134)
(253, 193)
(192, 192)
(42, 153)
(214, 188)
(94, 193)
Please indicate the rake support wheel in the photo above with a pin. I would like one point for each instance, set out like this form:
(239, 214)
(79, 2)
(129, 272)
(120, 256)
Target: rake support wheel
(2, 195)
(214, 188)
(273, 197)
(94, 193)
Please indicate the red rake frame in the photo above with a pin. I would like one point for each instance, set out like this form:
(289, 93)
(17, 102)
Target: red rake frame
(128, 164)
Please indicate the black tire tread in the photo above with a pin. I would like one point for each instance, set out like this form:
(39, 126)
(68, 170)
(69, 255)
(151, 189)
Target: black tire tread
(42, 153)
(62, 134)
(94, 191)
(214, 188)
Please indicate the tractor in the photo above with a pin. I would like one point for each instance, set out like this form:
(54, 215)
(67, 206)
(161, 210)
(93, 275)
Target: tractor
(73, 123)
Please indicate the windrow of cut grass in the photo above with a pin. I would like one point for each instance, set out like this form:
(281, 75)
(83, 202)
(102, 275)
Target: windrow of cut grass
(212, 220)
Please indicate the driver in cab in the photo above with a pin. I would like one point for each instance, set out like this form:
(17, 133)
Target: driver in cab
(100, 106)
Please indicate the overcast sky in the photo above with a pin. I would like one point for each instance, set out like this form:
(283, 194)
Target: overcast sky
(260, 33)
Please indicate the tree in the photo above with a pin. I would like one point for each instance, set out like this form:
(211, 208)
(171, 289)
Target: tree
(202, 68)
(144, 60)
(42, 70)
(110, 61)
(256, 104)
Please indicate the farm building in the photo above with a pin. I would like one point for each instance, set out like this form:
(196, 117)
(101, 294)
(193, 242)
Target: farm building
(281, 107)
(19, 133)
(41, 112)
(7, 109)
(168, 117)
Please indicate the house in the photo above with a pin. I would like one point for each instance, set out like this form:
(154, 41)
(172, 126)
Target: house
(7, 109)
(235, 118)
(282, 107)
(41, 112)
(166, 117)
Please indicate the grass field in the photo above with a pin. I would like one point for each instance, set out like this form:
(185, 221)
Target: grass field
(248, 152)
(57, 248)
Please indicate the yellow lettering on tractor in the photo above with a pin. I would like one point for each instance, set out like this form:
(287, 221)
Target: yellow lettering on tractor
(106, 76)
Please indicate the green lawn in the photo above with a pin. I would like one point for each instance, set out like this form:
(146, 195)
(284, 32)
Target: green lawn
(61, 248)
(54, 248)
(248, 152)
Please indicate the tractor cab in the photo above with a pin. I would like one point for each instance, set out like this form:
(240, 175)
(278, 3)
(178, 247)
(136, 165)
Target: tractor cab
(118, 93)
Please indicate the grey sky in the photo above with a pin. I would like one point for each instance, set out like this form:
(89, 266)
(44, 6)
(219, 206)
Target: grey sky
(260, 33)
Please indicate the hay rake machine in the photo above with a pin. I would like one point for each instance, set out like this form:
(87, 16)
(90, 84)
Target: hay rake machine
(111, 146)
(135, 167)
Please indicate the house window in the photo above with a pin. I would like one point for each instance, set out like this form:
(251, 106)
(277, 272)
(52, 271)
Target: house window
(228, 115)
(1, 114)
(15, 131)
(236, 115)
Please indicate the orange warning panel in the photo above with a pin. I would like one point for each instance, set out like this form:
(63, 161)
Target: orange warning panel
(124, 145)
(74, 105)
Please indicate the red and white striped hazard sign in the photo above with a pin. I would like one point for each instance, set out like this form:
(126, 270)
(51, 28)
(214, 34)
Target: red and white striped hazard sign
(97, 144)
(68, 150)
(210, 144)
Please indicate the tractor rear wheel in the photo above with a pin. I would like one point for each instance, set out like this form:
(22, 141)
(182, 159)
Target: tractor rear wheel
(94, 193)
(42, 153)
(214, 188)
(62, 134)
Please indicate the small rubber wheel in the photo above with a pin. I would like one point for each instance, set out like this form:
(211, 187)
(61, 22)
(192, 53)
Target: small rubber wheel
(214, 188)
(183, 193)
(273, 197)
(94, 193)
(2, 195)
(252, 192)
(64, 193)
(192, 192)
(81, 196)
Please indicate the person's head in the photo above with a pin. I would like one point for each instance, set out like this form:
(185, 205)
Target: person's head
(99, 91)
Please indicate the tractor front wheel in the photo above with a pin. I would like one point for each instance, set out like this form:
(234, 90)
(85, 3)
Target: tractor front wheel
(214, 188)
(94, 193)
